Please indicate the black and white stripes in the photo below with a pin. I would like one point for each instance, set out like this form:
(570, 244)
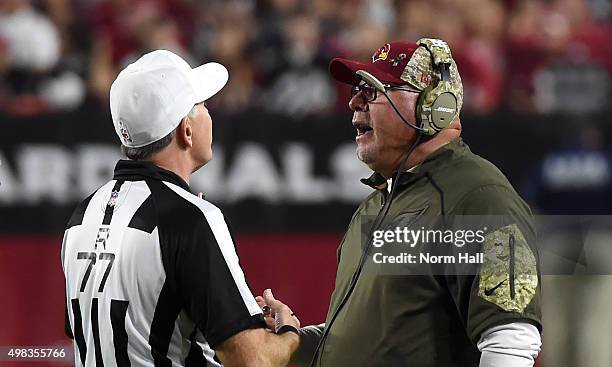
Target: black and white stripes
(154, 252)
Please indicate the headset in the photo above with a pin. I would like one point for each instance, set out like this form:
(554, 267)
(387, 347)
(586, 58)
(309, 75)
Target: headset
(436, 108)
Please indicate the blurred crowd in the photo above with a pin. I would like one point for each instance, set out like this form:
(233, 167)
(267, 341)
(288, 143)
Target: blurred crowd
(533, 56)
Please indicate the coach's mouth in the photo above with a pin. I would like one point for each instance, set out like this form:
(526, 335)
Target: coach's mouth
(362, 127)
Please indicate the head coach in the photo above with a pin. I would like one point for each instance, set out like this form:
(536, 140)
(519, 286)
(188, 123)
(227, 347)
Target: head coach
(406, 104)
(152, 275)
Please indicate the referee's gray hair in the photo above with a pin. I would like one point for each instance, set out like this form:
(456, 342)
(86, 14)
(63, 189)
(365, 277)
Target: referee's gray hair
(193, 110)
(143, 153)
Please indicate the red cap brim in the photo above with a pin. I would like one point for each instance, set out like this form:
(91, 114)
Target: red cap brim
(343, 70)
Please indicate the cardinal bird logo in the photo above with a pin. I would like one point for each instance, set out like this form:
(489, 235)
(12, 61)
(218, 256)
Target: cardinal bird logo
(382, 53)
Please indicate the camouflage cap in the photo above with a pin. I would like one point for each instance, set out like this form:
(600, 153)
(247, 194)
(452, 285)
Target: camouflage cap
(399, 63)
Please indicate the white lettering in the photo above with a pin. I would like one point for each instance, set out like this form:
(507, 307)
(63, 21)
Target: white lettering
(253, 175)
(445, 109)
(427, 258)
(9, 188)
(403, 258)
(95, 164)
(45, 173)
(377, 239)
(348, 170)
(57, 173)
(302, 185)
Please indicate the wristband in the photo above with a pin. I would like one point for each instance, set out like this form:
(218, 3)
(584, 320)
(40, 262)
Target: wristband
(287, 328)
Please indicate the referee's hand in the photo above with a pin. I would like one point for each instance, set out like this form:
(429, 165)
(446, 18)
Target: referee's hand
(276, 313)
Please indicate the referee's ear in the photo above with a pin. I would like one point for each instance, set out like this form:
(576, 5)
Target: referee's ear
(184, 133)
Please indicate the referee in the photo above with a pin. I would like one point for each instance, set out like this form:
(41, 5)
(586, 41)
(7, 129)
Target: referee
(152, 275)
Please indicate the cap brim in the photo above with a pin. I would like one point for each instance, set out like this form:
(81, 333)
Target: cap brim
(343, 70)
(209, 79)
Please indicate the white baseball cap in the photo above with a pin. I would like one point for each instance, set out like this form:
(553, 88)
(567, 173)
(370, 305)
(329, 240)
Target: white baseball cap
(151, 96)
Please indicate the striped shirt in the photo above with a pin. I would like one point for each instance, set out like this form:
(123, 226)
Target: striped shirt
(152, 275)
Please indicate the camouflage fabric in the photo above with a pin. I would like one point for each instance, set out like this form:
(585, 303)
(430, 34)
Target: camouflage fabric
(421, 73)
(508, 277)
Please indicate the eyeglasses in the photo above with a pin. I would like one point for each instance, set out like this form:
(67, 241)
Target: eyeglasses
(370, 93)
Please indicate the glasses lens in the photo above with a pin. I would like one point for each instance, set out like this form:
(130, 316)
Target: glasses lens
(369, 92)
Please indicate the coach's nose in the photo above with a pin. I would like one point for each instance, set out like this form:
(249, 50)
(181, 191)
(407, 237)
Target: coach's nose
(358, 102)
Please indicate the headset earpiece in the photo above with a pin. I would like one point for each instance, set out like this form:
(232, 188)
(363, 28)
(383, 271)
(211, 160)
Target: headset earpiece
(437, 105)
(443, 110)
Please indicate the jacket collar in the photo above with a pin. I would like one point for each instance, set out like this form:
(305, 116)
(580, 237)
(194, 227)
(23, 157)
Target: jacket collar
(435, 159)
(139, 170)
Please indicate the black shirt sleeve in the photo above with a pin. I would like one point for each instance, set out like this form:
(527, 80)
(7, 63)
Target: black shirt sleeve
(204, 272)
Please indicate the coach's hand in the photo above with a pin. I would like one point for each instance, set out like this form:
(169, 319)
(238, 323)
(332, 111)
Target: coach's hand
(279, 314)
(267, 312)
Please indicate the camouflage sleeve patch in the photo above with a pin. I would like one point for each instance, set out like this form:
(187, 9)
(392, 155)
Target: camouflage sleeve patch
(508, 276)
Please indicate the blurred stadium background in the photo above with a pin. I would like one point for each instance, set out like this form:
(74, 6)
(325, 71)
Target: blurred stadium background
(536, 75)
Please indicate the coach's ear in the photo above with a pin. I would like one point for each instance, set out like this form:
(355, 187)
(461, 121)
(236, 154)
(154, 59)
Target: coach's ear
(184, 133)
